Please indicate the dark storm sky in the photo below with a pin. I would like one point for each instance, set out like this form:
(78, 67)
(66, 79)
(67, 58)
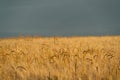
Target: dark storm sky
(59, 17)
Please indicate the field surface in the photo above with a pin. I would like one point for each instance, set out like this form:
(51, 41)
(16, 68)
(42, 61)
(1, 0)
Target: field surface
(60, 58)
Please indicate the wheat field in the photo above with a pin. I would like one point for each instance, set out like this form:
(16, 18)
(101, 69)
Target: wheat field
(60, 58)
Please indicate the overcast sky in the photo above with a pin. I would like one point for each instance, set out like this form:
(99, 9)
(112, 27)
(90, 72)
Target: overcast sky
(59, 17)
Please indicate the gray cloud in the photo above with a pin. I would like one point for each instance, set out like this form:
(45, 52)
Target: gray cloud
(60, 17)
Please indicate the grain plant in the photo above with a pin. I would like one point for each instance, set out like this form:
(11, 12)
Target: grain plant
(60, 58)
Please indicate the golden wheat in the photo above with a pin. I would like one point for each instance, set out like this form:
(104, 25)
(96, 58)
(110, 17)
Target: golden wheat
(60, 58)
